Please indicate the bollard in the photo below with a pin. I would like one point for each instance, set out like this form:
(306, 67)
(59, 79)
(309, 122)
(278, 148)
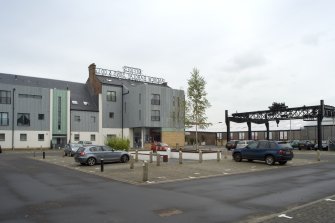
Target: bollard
(131, 162)
(145, 171)
(200, 156)
(136, 156)
(218, 158)
(158, 159)
(150, 156)
(43, 155)
(180, 157)
(318, 155)
(0, 150)
(102, 165)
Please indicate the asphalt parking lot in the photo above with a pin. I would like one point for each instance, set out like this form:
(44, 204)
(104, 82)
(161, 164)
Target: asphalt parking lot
(173, 171)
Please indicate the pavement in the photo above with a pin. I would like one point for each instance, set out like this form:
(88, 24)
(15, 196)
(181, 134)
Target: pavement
(170, 171)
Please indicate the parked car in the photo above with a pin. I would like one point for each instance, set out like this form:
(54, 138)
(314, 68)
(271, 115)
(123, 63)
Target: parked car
(324, 145)
(243, 143)
(231, 144)
(71, 148)
(264, 150)
(160, 147)
(295, 144)
(93, 154)
(306, 144)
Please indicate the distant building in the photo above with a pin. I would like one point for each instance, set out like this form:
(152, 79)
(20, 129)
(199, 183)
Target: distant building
(43, 113)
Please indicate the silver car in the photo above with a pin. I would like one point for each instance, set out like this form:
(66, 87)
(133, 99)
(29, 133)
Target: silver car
(93, 154)
(71, 148)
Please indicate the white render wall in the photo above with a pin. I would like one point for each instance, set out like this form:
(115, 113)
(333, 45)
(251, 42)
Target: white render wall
(31, 143)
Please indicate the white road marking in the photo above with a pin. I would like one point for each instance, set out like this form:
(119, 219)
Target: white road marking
(328, 199)
(284, 216)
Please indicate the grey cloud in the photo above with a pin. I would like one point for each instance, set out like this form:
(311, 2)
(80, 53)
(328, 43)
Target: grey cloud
(245, 61)
(311, 39)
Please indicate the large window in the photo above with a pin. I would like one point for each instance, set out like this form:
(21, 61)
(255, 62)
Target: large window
(155, 100)
(4, 97)
(155, 115)
(23, 119)
(111, 95)
(4, 118)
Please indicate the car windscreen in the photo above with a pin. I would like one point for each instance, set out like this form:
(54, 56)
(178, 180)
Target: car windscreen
(285, 146)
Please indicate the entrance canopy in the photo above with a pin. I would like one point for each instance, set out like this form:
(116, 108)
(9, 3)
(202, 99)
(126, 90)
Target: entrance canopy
(277, 112)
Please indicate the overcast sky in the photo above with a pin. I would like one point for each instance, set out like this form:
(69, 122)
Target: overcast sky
(251, 52)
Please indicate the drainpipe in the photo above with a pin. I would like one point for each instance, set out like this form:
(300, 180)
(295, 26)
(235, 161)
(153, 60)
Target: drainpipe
(122, 109)
(13, 120)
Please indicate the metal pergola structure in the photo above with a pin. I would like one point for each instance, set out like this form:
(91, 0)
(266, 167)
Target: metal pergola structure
(279, 112)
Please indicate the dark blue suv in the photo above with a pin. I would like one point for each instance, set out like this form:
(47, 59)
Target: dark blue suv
(264, 150)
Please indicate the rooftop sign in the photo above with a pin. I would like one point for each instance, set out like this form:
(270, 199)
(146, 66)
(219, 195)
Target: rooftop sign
(130, 73)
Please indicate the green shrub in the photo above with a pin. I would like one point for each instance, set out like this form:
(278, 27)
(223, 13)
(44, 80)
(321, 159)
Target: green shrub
(118, 143)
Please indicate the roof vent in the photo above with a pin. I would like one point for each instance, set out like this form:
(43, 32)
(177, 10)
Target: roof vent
(74, 102)
(85, 103)
(109, 80)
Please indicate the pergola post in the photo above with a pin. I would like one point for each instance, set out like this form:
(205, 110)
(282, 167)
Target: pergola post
(228, 125)
(320, 117)
(249, 130)
(267, 130)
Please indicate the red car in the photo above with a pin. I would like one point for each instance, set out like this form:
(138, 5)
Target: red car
(159, 147)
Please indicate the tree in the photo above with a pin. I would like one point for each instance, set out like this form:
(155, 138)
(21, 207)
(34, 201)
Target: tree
(197, 103)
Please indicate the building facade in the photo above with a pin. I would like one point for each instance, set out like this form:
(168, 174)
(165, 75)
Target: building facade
(44, 113)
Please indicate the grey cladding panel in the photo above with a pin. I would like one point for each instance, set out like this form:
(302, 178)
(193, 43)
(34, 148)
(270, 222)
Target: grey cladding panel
(82, 121)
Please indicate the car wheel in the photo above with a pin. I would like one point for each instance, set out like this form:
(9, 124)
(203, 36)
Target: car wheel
(237, 157)
(124, 159)
(282, 162)
(91, 161)
(269, 160)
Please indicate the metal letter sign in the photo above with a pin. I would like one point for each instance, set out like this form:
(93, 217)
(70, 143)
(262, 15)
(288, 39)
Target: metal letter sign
(130, 73)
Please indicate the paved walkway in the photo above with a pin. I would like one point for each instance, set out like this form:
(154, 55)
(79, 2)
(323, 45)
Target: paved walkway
(168, 171)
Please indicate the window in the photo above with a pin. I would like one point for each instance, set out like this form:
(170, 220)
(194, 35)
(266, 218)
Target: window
(111, 115)
(155, 115)
(254, 135)
(2, 136)
(23, 119)
(270, 135)
(283, 135)
(4, 118)
(59, 114)
(155, 100)
(139, 98)
(139, 115)
(263, 145)
(76, 137)
(93, 119)
(241, 135)
(23, 137)
(40, 116)
(30, 96)
(40, 137)
(4, 97)
(111, 95)
(111, 136)
(77, 118)
(92, 137)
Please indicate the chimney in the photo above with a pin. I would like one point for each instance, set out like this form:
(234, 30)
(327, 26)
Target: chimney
(91, 71)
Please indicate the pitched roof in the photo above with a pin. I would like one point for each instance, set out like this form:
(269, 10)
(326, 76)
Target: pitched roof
(79, 91)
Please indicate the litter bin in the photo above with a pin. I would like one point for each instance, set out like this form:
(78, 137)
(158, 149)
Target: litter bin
(165, 158)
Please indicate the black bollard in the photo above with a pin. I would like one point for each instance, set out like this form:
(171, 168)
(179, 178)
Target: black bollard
(43, 155)
(102, 165)
(0, 150)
